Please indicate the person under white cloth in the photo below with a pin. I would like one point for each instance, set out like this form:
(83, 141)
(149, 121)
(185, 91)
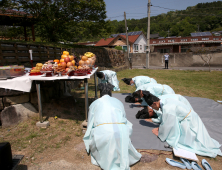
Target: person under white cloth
(139, 81)
(108, 76)
(181, 127)
(107, 138)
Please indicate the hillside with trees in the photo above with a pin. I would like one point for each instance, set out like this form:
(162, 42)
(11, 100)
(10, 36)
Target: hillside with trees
(78, 21)
(202, 17)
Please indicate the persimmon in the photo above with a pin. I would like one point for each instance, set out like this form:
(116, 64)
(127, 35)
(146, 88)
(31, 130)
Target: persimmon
(64, 56)
(65, 52)
(84, 58)
(57, 61)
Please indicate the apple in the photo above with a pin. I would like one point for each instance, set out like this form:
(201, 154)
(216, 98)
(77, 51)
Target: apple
(67, 59)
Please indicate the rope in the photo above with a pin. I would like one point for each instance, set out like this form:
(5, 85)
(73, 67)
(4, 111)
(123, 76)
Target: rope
(186, 115)
(108, 124)
(162, 91)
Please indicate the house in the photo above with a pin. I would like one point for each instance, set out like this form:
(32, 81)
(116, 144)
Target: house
(182, 44)
(137, 41)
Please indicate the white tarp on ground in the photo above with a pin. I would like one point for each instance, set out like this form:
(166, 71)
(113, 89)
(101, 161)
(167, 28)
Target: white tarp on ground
(142, 137)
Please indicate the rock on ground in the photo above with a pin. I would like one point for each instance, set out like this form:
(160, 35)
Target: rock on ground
(14, 114)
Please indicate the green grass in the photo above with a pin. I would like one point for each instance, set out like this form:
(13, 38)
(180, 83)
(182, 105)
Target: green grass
(188, 83)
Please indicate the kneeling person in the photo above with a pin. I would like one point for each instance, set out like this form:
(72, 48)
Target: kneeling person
(108, 135)
(108, 76)
(139, 81)
(181, 127)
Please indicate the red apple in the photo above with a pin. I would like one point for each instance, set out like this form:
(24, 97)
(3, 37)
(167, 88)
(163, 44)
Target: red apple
(67, 59)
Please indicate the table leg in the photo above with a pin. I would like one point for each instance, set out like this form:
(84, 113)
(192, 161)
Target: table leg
(39, 101)
(95, 82)
(86, 98)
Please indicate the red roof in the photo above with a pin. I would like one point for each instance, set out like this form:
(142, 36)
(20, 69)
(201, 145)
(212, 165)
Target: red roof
(132, 38)
(106, 42)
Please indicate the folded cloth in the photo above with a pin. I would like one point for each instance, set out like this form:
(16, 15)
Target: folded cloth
(175, 163)
(206, 165)
(186, 162)
(195, 166)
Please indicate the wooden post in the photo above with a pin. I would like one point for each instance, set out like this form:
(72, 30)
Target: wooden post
(33, 33)
(25, 33)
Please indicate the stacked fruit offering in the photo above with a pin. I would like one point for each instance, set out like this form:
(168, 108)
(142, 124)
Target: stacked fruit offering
(36, 70)
(87, 61)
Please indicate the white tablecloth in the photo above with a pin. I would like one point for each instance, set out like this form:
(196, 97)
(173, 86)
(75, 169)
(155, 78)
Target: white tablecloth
(24, 83)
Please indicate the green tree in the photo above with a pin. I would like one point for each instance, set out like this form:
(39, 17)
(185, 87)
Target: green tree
(56, 17)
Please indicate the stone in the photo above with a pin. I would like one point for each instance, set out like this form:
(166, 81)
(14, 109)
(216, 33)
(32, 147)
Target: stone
(12, 100)
(14, 114)
(1, 104)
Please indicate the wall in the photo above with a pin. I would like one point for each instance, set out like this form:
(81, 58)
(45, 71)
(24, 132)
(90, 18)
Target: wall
(18, 53)
(175, 60)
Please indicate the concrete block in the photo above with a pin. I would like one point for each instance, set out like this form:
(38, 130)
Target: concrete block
(84, 124)
(43, 124)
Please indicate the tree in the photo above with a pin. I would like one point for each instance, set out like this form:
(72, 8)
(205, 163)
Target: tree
(205, 53)
(56, 17)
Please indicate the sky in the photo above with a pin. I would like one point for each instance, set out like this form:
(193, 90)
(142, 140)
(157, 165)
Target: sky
(138, 8)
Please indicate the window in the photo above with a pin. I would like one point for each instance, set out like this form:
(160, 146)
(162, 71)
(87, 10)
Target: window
(167, 50)
(120, 39)
(135, 47)
(184, 49)
(145, 47)
(171, 40)
(162, 41)
(183, 40)
(205, 39)
(141, 47)
(194, 39)
(215, 38)
(124, 48)
(154, 41)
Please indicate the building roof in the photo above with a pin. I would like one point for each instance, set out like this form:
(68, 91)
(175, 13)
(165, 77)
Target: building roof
(108, 41)
(104, 42)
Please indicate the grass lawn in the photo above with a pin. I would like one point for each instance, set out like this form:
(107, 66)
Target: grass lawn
(63, 139)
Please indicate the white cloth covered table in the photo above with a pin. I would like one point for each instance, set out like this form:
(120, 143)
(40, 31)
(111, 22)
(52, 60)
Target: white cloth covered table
(24, 83)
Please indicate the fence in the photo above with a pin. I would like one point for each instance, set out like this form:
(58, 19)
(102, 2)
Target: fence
(14, 53)
(18, 53)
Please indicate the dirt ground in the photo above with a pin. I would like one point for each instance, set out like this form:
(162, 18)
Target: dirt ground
(60, 146)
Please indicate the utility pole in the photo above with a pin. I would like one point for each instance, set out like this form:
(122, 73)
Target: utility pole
(127, 42)
(148, 37)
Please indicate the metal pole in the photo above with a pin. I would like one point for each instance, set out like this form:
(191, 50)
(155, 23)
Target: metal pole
(148, 37)
(95, 82)
(86, 98)
(39, 101)
(127, 41)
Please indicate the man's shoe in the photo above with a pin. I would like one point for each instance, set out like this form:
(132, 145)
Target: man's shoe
(175, 163)
(206, 165)
(186, 162)
(195, 166)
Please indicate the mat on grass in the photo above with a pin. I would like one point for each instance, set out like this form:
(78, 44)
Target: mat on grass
(142, 137)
